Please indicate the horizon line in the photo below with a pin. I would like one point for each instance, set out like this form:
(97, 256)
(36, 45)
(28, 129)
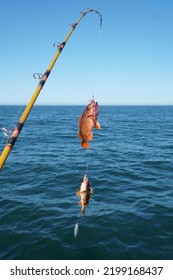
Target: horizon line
(81, 104)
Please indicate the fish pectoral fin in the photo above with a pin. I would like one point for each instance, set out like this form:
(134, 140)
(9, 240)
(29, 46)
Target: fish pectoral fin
(84, 144)
(97, 125)
(80, 203)
(83, 192)
(90, 137)
(78, 193)
(79, 135)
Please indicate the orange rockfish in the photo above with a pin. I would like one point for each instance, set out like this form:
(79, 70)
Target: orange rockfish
(87, 121)
(85, 193)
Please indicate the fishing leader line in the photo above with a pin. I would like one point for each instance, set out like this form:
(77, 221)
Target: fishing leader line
(76, 227)
(99, 39)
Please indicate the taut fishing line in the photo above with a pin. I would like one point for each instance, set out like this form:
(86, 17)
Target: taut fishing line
(99, 39)
(76, 227)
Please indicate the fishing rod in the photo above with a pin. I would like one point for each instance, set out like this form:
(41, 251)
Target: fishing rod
(43, 78)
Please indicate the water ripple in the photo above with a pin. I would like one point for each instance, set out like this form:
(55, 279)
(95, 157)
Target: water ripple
(130, 167)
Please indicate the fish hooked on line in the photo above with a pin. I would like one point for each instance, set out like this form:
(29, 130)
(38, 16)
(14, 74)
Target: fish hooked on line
(87, 121)
(84, 193)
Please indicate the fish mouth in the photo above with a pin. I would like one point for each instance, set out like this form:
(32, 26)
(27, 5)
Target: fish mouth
(90, 116)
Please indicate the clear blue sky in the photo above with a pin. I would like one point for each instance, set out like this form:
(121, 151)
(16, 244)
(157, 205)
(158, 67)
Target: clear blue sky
(131, 62)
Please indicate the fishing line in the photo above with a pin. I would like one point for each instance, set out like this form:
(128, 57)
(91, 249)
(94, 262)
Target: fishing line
(99, 39)
(76, 227)
(86, 170)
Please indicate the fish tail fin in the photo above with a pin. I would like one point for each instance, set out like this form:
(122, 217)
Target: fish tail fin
(84, 144)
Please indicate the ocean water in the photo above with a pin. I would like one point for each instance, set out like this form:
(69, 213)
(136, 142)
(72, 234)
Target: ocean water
(130, 168)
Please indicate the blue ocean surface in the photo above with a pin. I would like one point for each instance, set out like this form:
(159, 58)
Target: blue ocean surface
(130, 168)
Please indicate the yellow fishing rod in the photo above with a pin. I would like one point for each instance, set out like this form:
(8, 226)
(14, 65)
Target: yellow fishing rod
(17, 129)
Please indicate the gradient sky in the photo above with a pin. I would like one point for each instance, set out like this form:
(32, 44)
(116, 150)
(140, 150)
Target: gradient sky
(130, 62)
